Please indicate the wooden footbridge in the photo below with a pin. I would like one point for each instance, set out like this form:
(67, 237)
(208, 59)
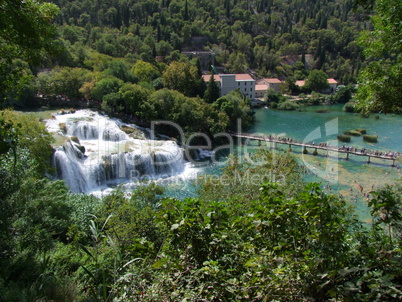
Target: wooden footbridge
(392, 156)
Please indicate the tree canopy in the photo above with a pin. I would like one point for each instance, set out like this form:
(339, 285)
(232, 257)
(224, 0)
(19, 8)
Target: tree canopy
(380, 81)
(25, 29)
(317, 80)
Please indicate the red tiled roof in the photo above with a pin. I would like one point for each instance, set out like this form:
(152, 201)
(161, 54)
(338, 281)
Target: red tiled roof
(238, 76)
(260, 87)
(301, 83)
(206, 77)
(273, 81)
(243, 77)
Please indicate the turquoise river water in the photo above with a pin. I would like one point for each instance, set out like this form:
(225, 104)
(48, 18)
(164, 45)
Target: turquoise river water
(353, 178)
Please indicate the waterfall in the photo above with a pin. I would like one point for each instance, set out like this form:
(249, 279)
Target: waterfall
(82, 130)
(97, 153)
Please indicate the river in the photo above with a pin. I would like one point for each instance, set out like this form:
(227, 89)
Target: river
(353, 178)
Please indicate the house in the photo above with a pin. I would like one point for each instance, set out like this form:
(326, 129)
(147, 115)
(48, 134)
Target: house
(230, 82)
(260, 90)
(271, 83)
(263, 85)
(331, 89)
(300, 83)
(332, 86)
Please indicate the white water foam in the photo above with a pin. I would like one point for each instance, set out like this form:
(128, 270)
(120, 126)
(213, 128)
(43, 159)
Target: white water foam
(97, 154)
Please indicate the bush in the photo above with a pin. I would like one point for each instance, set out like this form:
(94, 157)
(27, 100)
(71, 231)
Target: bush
(349, 107)
(127, 129)
(344, 138)
(132, 132)
(343, 94)
(352, 133)
(370, 138)
(288, 105)
(361, 130)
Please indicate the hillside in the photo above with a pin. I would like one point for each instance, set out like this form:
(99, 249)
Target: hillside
(242, 34)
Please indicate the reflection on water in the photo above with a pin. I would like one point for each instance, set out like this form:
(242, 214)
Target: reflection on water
(355, 178)
(352, 178)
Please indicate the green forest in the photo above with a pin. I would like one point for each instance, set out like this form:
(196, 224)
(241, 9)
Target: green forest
(236, 240)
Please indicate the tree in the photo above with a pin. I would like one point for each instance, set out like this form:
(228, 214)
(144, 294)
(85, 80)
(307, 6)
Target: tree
(26, 26)
(42, 213)
(63, 80)
(344, 94)
(273, 96)
(236, 106)
(120, 69)
(31, 135)
(289, 86)
(317, 80)
(380, 81)
(106, 86)
(145, 71)
(183, 77)
(25, 29)
(163, 48)
(237, 62)
(133, 96)
(213, 92)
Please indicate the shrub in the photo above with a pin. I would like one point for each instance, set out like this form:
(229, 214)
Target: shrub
(349, 107)
(344, 138)
(288, 105)
(361, 130)
(352, 133)
(127, 129)
(370, 138)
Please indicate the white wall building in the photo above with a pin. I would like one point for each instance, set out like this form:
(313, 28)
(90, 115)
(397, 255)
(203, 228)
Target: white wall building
(331, 88)
(263, 85)
(271, 83)
(230, 82)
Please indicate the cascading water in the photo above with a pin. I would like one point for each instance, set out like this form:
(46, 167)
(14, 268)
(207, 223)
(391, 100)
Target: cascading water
(97, 153)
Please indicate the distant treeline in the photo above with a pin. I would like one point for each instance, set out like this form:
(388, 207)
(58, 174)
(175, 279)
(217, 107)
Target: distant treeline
(266, 36)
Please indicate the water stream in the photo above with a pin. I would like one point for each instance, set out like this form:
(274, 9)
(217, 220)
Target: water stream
(101, 152)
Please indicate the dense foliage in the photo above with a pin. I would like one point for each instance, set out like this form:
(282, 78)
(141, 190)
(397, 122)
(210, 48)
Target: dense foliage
(256, 232)
(25, 30)
(379, 87)
(242, 34)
